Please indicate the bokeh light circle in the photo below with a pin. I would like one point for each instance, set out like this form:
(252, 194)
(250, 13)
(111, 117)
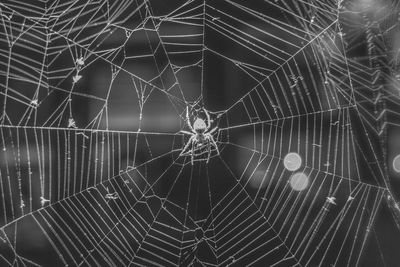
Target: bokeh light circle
(299, 181)
(259, 179)
(396, 163)
(292, 161)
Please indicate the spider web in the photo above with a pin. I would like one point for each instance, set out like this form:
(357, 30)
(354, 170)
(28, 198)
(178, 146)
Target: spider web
(93, 98)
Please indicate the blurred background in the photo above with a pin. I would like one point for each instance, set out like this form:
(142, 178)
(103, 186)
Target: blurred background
(304, 95)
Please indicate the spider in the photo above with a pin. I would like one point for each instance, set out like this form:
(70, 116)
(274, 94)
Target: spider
(201, 136)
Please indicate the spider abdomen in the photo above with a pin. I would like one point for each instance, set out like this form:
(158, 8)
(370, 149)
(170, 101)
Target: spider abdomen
(200, 138)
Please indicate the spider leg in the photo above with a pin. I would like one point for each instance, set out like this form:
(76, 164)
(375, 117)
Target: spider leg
(213, 130)
(187, 146)
(214, 144)
(208, 119)
(209, 150)
(186, 132)
(188, 120)
(193, 149)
